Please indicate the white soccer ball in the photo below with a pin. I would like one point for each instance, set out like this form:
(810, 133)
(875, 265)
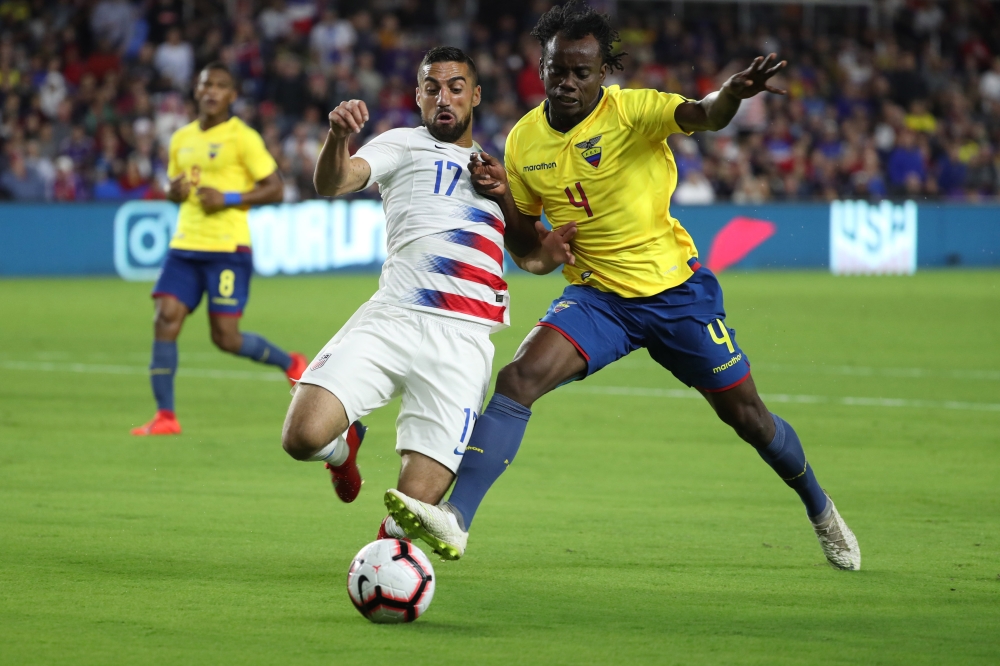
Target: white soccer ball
(391, 581)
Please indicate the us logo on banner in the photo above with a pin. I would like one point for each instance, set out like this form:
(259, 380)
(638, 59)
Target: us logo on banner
(867, 239)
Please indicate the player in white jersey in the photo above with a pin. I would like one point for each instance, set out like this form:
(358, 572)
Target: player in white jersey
(424, 335)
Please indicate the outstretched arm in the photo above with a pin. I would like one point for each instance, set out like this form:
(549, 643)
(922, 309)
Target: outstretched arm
(717, 109)
(336, 171)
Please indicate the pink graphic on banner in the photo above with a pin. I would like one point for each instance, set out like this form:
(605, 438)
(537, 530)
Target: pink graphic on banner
(736, 240)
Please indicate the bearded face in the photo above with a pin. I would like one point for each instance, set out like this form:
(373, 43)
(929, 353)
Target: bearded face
(446, 96)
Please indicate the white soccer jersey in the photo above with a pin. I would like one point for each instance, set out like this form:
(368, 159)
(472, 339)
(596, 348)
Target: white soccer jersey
(445, 241)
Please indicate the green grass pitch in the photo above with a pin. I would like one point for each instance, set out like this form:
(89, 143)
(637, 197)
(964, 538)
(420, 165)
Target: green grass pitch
(632, 528)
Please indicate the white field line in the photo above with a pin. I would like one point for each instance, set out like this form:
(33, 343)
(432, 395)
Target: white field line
(630, 391)
(844, 370)
(95, 369)
(691, 394)
(633, 361)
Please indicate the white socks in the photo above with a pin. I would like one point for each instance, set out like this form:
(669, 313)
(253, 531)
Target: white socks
(335, 453)
(392, 529)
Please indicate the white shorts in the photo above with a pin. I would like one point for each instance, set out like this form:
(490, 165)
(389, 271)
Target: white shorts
(441, 366)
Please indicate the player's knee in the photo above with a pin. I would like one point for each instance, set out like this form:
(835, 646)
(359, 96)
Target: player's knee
(227, 341)
(167, 325)
(519, 383)
(301, 440)
(751, 423)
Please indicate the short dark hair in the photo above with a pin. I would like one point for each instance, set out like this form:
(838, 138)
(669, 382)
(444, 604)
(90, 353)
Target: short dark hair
(450, 54)
(219, 66)
(576, 19)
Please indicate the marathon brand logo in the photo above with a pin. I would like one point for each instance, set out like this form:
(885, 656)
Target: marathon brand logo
(728, 364)
(541, 166)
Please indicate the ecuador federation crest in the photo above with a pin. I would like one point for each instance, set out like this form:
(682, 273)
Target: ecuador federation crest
(562, 305)
(591, 151)
(213, 150)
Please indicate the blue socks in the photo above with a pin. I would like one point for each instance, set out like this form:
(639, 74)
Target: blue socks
(162, 368)
(259, 349)
(492, 447)
(785, 456)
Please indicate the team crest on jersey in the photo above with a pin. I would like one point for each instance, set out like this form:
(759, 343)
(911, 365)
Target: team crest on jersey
(591, 151)
(562, 305)
(320, 362)
(213, 150)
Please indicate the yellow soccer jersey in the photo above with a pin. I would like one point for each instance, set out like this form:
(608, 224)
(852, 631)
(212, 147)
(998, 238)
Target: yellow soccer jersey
(614, 175)
(229, 157)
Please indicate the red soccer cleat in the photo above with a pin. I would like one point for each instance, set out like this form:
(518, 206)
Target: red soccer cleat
(164, 423)
(383, 534)
(346, 477)
(298, 366)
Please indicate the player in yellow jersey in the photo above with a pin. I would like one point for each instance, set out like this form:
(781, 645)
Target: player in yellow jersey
(218, 168)
(597, 157)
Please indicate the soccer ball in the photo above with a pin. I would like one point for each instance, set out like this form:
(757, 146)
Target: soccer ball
(391, 581)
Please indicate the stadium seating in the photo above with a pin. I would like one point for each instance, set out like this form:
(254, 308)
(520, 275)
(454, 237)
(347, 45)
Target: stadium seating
(902, 102)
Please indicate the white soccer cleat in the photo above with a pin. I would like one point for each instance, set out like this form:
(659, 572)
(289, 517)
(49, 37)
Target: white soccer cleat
(838, 541)
(435, 525)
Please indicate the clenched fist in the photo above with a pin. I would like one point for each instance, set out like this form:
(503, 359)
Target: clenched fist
(348, 118)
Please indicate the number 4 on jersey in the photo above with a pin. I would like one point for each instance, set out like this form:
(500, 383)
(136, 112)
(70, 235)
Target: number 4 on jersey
(583, 202)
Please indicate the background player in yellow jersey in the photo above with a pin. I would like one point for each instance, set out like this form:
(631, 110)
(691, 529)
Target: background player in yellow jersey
(597, 157)
(218, 168)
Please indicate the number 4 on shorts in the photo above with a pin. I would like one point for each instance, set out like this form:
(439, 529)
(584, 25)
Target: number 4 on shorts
(723, 339)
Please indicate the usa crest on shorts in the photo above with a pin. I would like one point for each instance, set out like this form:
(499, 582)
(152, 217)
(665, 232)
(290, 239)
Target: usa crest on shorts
(320, 362)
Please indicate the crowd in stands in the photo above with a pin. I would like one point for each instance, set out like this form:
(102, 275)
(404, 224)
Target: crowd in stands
(902, 102)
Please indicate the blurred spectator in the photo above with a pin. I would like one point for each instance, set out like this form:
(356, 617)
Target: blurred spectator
(68, 186)
(275, 22)
(694, 189)
(905, 162)
(162, 16)
(20, 182)
(289, 87)
(908, 105)
(989, 83)
(52, 90)
(174, 60)
(112, 22)
(332, 39)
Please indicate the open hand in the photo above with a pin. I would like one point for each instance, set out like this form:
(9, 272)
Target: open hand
(211, 199)
(753, 79)
(348, 118)
(489, 178)
(556, 242)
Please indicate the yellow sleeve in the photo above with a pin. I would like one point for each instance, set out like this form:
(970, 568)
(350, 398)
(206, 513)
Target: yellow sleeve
(651, 112)
(527, 201)
(256, 159)
(173, 170)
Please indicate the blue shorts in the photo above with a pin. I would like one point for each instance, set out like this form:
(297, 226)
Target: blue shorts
(186, 275)
(683, 328)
